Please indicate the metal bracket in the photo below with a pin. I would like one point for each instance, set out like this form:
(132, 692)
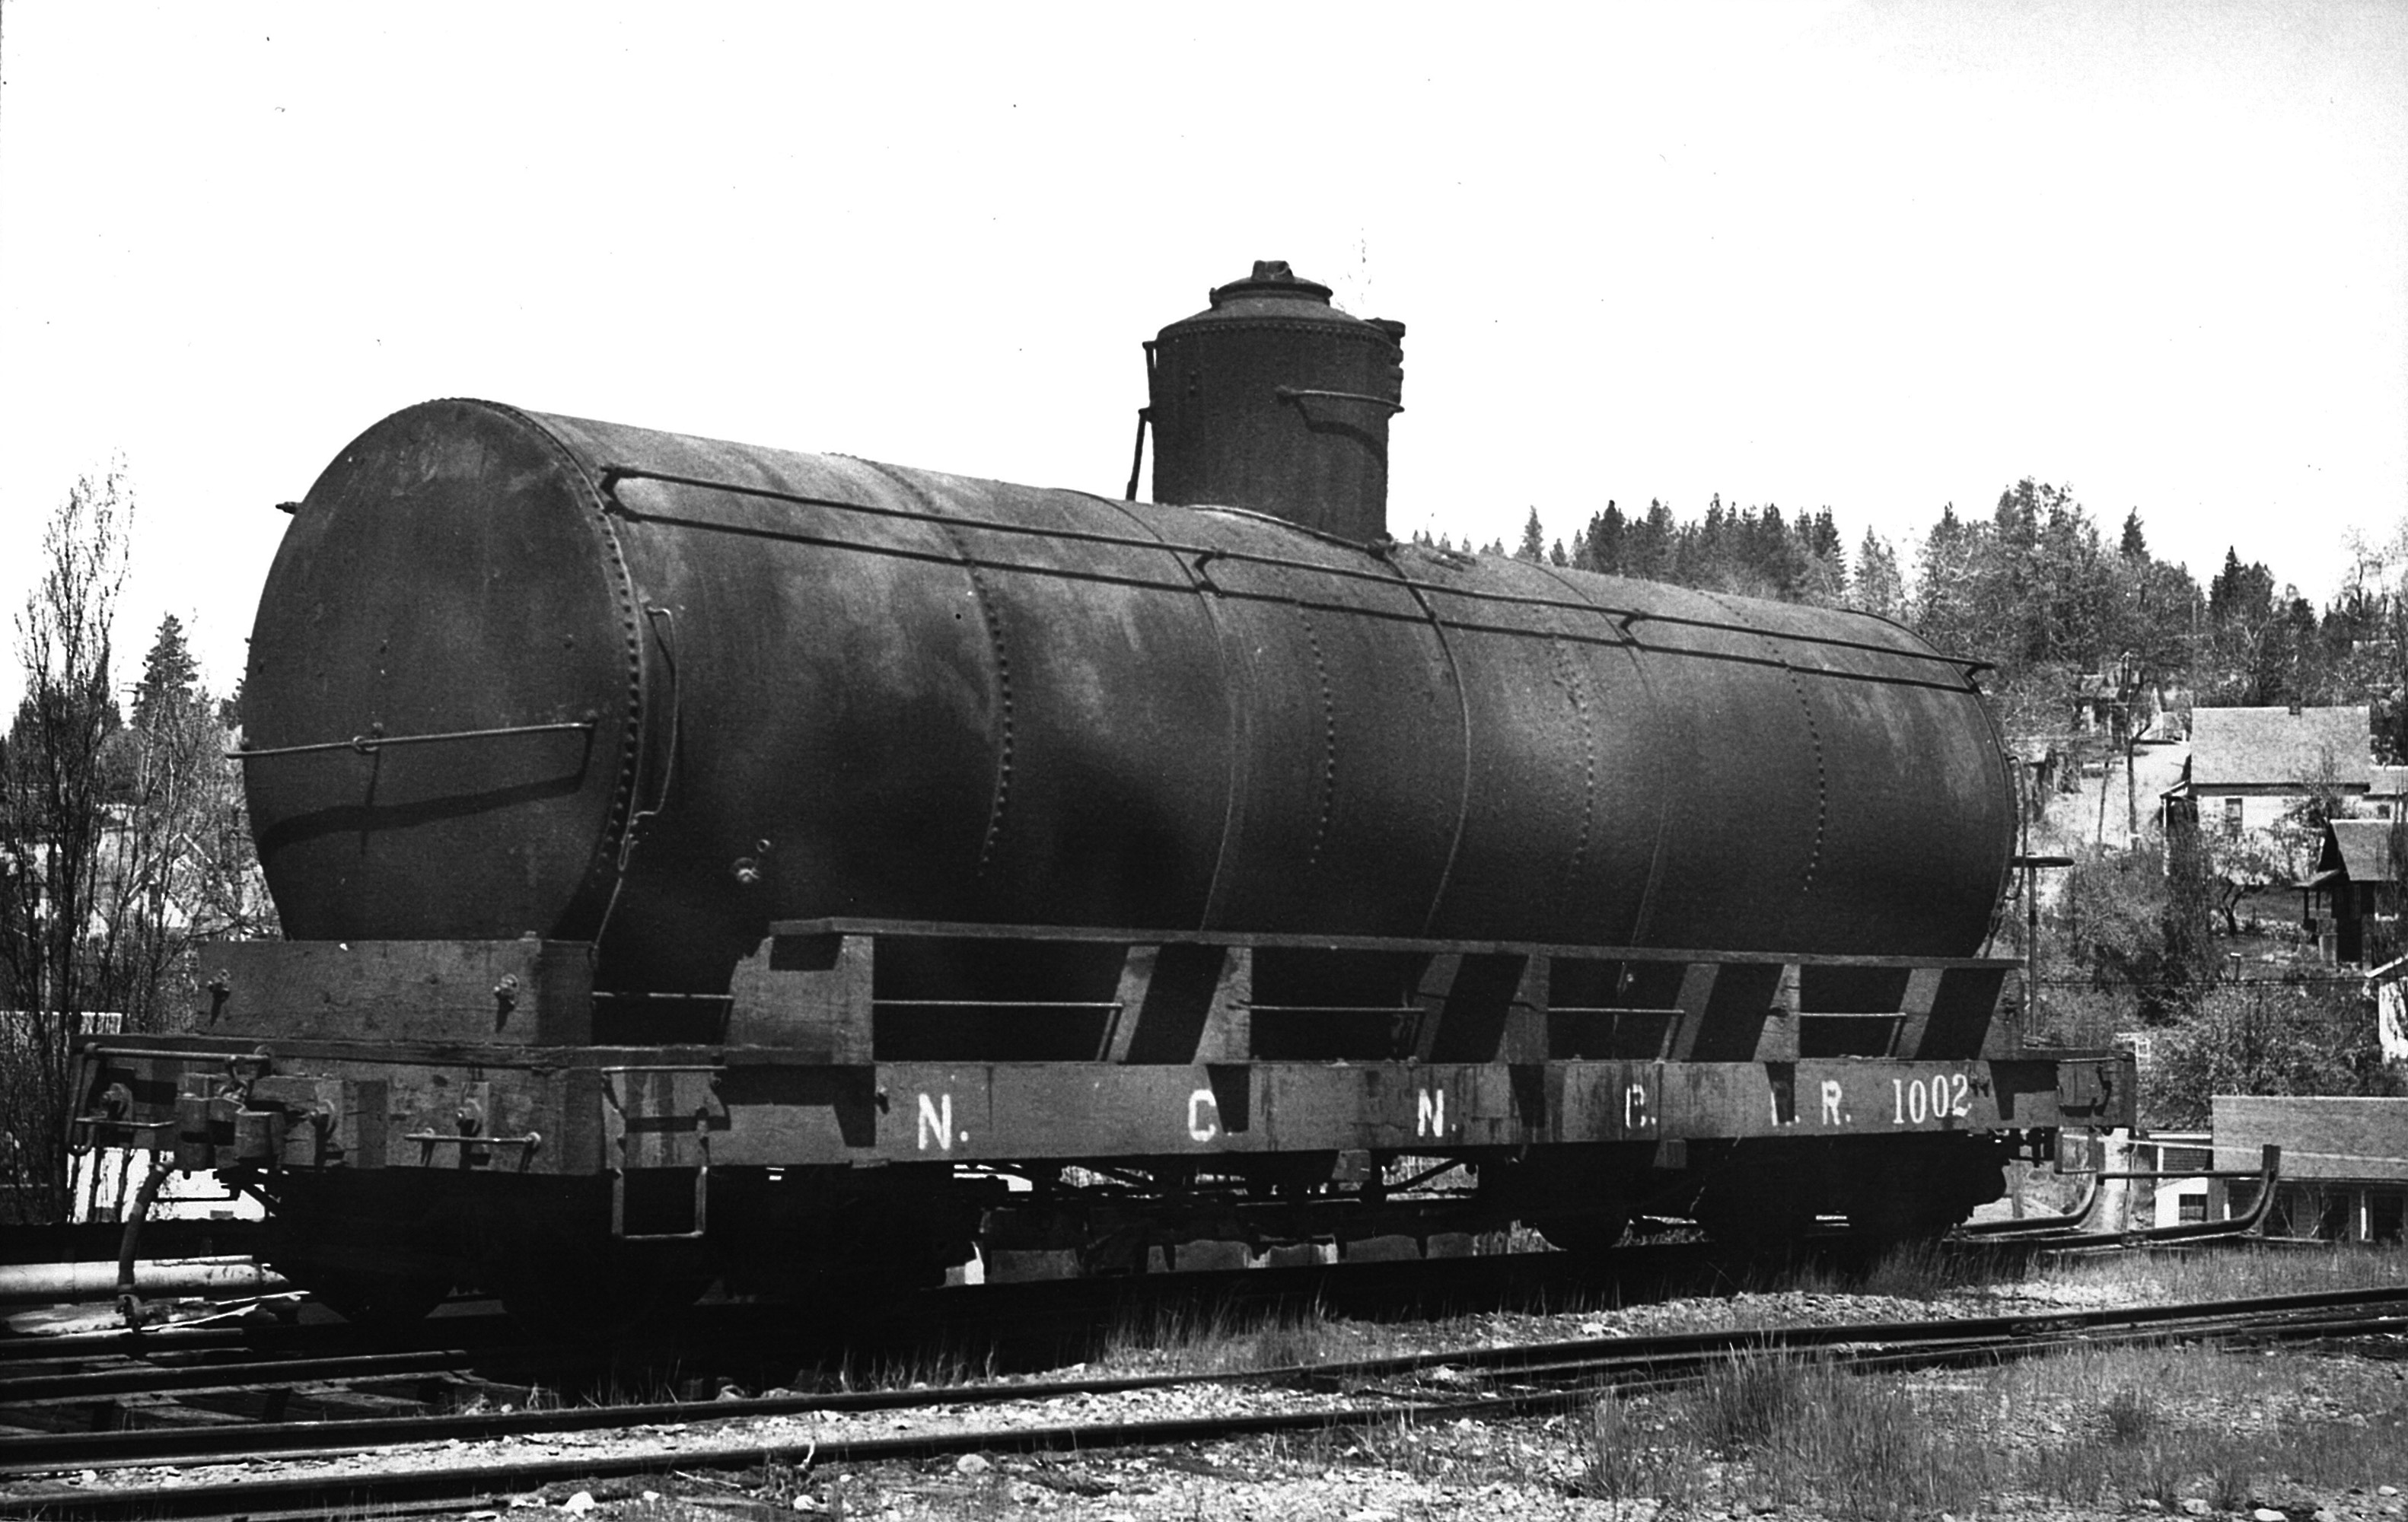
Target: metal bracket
(428, 1140)
(1299, 394)
(701, 1193)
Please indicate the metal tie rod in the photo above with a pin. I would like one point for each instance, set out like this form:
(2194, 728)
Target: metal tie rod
(371, 743)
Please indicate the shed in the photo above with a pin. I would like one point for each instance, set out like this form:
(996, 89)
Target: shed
(2387, 792)
(2358, 878)
(2345, 1161)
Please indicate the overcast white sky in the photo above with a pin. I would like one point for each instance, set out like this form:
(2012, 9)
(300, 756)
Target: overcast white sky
(1877, 257)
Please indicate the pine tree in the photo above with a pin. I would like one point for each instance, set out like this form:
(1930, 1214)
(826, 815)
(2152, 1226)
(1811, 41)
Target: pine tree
(169, 677)
(1601, 548)
(1534, 540)
(1877, 587)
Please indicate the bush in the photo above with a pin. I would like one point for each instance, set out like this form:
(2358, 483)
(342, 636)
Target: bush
(2138, 923)
(2314, 1034)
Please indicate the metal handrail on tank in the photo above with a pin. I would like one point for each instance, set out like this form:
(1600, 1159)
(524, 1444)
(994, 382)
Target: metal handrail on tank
(368, 744)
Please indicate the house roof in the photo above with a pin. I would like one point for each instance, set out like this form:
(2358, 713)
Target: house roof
(2387, 782)
(2359, 847)
(2276, 746)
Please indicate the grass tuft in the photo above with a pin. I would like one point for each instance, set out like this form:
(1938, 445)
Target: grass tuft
(2111, 1429)
(1214, 1339)
(2131, 1415)
(1746, 1400)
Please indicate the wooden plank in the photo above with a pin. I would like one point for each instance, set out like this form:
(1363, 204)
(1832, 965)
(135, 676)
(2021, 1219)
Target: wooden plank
(597, 1109)
(521, 992)
(1013, 1111)
(1915, 1014)
(1724, 1008)
(1177, 999)
(1776, 1034)
(1131, 936)
(1961, 1020)
(1466, 1002)
(805, 993)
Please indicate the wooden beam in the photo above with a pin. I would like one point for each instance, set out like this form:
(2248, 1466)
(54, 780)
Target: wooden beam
(806, 993)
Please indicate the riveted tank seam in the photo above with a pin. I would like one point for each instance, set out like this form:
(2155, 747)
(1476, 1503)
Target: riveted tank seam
(1384, 553)
(610, 860)
(1233, 807)
(1618, 619)
(1329, 769)
(1567, 677)
(1814, 748)
(992, 616)
(1822, 781)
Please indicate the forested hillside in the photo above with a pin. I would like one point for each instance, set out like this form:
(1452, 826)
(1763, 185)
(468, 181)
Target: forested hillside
(2037, 592)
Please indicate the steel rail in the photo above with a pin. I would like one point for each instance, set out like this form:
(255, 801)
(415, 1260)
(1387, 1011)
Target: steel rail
(152, 1378)
(23, 1457)
(2063, 1231)
(258, 1495)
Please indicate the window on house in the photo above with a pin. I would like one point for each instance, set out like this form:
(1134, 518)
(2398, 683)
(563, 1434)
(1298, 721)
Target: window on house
(2191, 1208)
(2232, 818)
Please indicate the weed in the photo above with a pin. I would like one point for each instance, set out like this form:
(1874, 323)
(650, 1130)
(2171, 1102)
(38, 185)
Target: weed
(1932, 1271)
(2232, 1477)
(2162, 1473)
(1215, 1340)
(1745, 1399)
(1633, 1456)
(2237, 1272)
(2085, 1429)
(927, 1369)
(2131, 1415)
(2077, 1470)
(1400, 1445)
(1284, 1342)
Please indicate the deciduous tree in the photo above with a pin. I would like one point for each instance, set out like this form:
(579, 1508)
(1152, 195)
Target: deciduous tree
(53, 827)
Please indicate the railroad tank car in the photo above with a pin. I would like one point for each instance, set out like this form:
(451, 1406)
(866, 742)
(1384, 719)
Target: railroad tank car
(684, 847)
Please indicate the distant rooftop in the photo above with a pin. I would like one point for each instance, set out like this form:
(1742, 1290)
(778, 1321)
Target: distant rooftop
(2276, 746)
(2387, 782)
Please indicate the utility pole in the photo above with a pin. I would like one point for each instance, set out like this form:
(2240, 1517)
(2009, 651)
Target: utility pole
(2031, 866)
(2131, 684)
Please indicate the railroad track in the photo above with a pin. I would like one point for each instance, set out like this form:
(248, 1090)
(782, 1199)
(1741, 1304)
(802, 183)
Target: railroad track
(218, 1375)
(1027, 1325)
(1487, 1383)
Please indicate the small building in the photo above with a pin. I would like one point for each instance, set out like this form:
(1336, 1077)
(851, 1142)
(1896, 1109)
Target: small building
(2355, 889)
(2250, 766)
(2344, 1172)
(2386, 793)
(2174, 1201)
